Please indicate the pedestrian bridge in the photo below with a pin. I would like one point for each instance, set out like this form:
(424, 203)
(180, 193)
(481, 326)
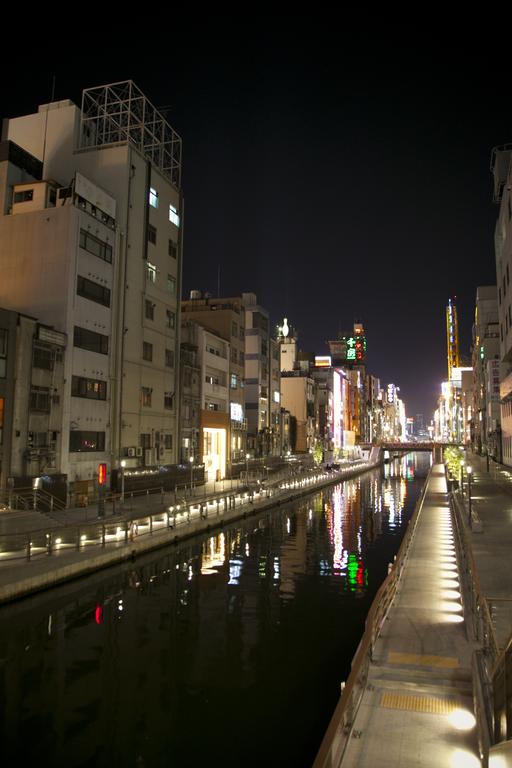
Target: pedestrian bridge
(436, 448)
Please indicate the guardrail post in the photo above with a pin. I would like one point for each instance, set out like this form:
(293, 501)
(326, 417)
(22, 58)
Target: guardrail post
(103, 536)
(29, 549)
(126, 529)
(49, 543)
(218, 505)
(78, 538)
(151, 523)
(162, 497)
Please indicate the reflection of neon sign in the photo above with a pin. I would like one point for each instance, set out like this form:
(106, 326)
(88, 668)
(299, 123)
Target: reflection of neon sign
(337, 409)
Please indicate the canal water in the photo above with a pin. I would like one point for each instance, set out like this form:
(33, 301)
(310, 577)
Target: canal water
(225, 651)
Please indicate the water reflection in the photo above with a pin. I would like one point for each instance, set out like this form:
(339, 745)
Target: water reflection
(184, 656)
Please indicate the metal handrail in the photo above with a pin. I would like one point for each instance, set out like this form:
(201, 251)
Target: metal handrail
(45, 540)
(338, 731)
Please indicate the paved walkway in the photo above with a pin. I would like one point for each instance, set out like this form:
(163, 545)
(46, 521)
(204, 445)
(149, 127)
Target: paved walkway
(421, 672)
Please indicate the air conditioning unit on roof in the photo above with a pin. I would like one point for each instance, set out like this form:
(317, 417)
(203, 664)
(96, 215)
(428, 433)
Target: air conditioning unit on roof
(131, 451)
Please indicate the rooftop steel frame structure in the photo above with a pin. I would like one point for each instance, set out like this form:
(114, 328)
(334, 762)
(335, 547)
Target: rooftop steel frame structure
(118, 113)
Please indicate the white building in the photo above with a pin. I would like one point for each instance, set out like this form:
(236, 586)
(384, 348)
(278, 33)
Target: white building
(93, 248)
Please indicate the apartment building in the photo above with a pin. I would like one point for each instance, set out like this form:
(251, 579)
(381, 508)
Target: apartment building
(90, 236)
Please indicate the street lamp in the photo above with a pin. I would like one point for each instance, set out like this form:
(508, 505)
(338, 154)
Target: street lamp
(123, 465)
(470, 472)
(191, 459)
(247, 457)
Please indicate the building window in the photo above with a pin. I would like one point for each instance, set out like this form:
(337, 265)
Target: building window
(153, 197)
(86, 441)
(151, 234)
(24, 196)
(171, 319)
(173, 215)
(234, 356)
(147, 351)
(168, 442)
(40, 399)
(150, 272)
(171, 285)
(92, 291)
(149, 310)
(234, 381)
(95, 246)
(90, 340)
(145, 396)
(169, 400)
(234, 330)
(145, 441)
(42, 356)
(3, 353)
(93, 389)
(169, 358)
(173, 249)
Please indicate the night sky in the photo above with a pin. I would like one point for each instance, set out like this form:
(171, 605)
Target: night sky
(338, 179)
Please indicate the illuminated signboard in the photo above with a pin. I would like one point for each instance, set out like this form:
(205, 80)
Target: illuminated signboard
(391, 393)
(236, 412)
(355, 348)
(323, 361)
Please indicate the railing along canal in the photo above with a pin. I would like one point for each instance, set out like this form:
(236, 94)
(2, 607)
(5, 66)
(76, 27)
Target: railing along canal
(123, 531)
(338, 732)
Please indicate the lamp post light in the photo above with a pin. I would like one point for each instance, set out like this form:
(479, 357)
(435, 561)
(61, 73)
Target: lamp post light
(469, 472)
(191, 460)
(247, 457)
(123, 465)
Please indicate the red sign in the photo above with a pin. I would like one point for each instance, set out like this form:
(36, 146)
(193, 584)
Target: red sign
(102, 474)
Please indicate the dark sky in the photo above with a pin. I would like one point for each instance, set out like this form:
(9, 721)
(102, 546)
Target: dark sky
(337, 178)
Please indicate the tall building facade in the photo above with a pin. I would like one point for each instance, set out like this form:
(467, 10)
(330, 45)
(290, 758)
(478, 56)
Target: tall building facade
(91, 245)
(262, 381)
(226, 318)
(485, 432)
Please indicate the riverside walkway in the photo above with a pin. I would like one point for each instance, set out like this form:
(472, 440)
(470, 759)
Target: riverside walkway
(39, 551)
(416, 690)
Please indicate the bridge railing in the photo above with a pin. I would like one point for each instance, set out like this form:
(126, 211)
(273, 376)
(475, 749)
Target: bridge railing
(338, 732)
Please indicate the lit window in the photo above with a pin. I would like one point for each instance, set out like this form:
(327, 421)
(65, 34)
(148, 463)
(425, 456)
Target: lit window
(233, 381)
(151, 272)
(153, 197)
(173, 215)
(145, 396)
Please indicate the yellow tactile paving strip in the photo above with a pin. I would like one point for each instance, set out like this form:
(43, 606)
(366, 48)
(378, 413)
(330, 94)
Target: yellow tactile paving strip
(427, 704)
(445, 662)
